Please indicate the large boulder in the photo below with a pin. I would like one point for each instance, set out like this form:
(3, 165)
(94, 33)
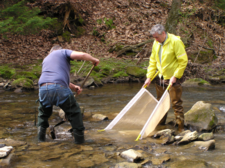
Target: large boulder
(201, 117)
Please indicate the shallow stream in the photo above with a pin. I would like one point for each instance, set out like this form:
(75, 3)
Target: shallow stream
(18, 113)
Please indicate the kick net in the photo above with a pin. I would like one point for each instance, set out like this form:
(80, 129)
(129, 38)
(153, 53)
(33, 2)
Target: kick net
(142, 113)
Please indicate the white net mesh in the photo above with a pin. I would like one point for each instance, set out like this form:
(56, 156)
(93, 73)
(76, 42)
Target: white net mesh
(142, 114)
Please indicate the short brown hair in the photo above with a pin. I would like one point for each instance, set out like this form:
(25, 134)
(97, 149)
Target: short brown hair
(56, 47)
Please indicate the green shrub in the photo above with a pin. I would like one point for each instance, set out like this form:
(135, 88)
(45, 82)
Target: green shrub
(19, 19)
(66, 36)
(109, 23)
(95, 32)
(220, 4)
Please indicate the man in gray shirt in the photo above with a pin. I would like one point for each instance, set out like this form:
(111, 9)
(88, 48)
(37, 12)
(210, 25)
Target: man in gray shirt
(55, 89)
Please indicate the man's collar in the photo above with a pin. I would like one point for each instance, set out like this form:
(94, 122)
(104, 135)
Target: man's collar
(164, 40)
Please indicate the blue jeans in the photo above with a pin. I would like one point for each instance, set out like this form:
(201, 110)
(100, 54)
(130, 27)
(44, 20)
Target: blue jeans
(53, 94)
(56, 94)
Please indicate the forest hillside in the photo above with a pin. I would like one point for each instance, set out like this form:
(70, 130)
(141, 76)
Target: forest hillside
(120, 29)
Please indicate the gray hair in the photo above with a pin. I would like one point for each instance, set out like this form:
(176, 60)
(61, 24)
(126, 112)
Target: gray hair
(56, 47)
(158, 28)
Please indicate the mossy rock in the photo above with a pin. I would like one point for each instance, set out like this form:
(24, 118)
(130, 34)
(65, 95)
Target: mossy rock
(201, 116)
(196, 82)
(98, 81)
(23, 82)
(136, 71)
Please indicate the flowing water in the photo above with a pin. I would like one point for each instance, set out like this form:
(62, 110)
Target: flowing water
(18, 113)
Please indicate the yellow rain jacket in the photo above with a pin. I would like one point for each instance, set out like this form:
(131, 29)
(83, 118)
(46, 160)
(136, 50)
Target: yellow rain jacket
(173, 61)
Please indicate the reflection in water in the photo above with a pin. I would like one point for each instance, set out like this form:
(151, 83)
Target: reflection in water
(19, 112)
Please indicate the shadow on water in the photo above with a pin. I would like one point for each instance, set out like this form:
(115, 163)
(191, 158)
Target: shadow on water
(18, 117)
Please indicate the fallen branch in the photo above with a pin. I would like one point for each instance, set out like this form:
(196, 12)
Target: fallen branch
(132, 47)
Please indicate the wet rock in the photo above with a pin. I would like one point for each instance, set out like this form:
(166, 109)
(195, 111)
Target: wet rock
(188, 138)
(206, 136)
(201, 117)
(178, 138)
(132, 155)
(85, 163)
(99, 159)
(100, 117)
(4, 151)
(189, 163)
(164, 133)
(6, 161)
(50, 157)
(89, 82)
(205, 145)
(1, 84)
(181, 135)
(167, 139)
(160, 160)
(62, 115)
(92, 87)
(128, 165)
(18, 90)
(86, 148)
(11, 142)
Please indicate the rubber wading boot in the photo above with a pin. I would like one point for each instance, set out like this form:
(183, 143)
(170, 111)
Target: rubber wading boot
(180, 125)
(78, 136)
(41, 134)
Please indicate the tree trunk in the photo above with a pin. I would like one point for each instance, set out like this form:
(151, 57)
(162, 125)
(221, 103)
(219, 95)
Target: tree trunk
(172, 20)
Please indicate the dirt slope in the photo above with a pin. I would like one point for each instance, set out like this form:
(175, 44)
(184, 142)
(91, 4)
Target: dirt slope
(198, 26)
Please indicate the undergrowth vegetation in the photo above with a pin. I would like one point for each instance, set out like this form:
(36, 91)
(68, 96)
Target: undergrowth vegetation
(20, 19)
(108, 67)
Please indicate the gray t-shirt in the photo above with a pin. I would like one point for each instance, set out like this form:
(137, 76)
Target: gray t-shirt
(56, 68)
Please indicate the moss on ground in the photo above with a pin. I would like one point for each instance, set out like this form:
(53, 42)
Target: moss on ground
(199, 80)
(108, 67)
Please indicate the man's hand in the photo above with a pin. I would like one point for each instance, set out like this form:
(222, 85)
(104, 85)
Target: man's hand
(147, 82)
(78, 89)
(95, 61)
(75, 88)
(173, 80)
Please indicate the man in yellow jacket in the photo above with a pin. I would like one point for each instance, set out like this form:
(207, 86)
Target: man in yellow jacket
(170, 59)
